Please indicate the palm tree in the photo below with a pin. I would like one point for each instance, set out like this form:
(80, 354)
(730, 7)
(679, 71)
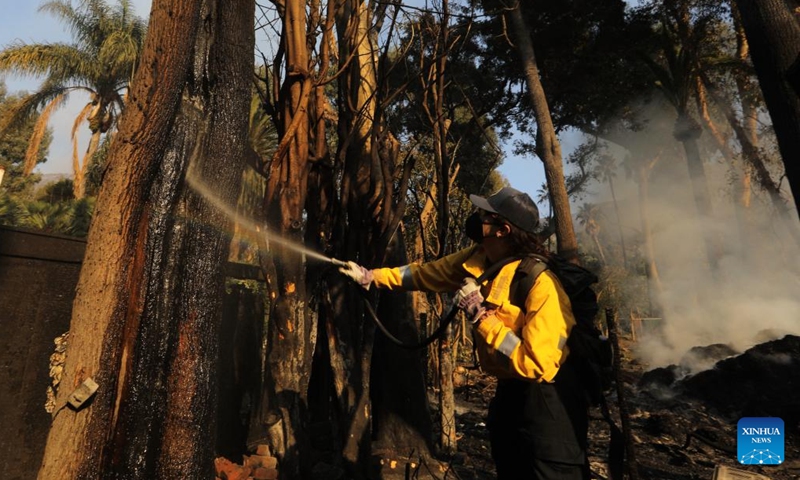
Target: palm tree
(48, 217)
(685, 33)
(263, 139)
(107, 45)
(11, 210)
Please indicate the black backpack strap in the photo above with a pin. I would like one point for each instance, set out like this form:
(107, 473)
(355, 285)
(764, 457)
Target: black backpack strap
(525, 276)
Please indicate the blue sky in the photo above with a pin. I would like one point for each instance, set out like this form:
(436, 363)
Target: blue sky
(23, 22)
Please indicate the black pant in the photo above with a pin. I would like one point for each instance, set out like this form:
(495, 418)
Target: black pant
(538, 430)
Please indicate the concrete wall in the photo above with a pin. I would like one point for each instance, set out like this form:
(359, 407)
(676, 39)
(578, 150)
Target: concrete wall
(38, 275)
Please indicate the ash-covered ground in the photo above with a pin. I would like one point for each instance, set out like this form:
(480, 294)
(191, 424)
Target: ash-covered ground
(682, 425)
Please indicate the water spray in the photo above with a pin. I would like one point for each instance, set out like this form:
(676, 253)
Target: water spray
(251, 226)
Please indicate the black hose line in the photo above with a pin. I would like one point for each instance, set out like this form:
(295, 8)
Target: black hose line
(451, 315)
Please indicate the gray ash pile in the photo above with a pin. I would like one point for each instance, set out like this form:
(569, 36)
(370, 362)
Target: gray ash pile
(697, 359)
(764, 381)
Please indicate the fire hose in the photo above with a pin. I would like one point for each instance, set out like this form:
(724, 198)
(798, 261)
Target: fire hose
(448, 319)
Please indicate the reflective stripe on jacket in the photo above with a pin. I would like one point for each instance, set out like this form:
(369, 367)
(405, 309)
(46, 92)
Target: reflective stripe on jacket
(515, 345)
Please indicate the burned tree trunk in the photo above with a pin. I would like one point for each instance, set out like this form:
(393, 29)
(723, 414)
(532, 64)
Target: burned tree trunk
(149, 297)
(370, 389)
(447, 400)
(360, 207)
(401, 417)
(292, 323)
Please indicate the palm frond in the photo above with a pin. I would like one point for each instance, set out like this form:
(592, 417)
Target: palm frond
(81, 217)
(28, 107)
(34, 60)
(107, 45)
(126, 19)
(32, 153)
(11, 210)
(118, 53)
(263, 136)
(83, 23)
(75, 158)
(82, 116)
(58, 61)
(46, 216)
(63, 10)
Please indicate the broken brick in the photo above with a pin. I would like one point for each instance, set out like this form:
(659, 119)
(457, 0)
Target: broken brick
(261, 461)
(263, 450)
(262, 473)
(228, 470)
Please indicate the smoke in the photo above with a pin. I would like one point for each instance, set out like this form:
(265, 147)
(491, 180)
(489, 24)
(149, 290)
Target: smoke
(754, 295)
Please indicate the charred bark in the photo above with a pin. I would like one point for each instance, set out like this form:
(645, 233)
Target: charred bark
(150, 289)
(401, 417)
(367, 223)
(447, 401)
(291, 334)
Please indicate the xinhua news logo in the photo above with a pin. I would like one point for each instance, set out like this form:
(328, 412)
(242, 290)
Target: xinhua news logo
(760, 441)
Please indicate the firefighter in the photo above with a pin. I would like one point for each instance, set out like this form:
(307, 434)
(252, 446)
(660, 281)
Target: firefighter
(538, 417)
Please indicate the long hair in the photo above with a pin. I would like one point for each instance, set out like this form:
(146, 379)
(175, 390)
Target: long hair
(526, 242)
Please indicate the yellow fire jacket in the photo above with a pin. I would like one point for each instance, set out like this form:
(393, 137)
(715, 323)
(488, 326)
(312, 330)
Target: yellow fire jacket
(510, 343)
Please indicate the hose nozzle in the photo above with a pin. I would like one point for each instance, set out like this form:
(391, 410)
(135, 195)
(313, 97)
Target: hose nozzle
(338, 263)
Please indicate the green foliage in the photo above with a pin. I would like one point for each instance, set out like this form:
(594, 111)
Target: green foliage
(48, 217)
(472, 84)
(81, 217)
(54, 210)
(585, 52)
(108, 42)
(17, 204)
(255, 286)
(469, 105)
(11, 210)
(262, 133)
(687, 37)
(57, 192)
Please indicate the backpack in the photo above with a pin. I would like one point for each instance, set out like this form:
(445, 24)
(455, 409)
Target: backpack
(589, 349)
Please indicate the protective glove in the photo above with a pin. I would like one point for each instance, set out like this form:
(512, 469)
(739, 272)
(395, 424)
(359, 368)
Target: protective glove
(469, 299)
(362, 276)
